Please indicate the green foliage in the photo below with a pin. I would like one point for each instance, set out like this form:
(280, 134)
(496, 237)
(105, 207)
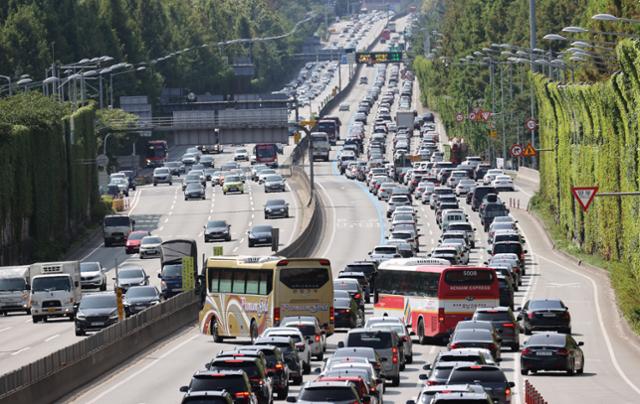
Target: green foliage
(35, 33)
(594, 131)
(50, 190)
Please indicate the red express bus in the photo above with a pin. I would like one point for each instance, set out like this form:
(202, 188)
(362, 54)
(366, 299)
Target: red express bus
(266, 153)
(156, 153)
(432, 298)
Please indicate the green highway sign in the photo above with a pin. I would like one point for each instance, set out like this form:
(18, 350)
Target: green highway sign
(379, 57)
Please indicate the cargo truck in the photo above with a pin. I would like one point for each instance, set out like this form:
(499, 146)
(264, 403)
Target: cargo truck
(55, 289)
(405, 119)
(14, 289)
(320, 146)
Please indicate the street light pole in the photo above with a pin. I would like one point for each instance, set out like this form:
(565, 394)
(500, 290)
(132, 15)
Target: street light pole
(532, 46)
(9, 80)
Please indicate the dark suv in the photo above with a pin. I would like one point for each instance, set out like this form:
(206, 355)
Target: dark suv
(490, 377)
(96, 311)
(290, 353)
(478, 195)
(235, 382)
(504, 322)
(254, 368)
(369, 268)
(277, 367)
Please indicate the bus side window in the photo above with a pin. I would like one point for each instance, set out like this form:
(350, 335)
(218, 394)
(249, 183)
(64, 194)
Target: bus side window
(253, 281)
(225, 281)
(214, 278)
(239, 281)
(265, 286)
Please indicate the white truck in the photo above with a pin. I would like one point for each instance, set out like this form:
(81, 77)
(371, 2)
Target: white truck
(55, 289)
(321, 146)
(14, 289)
(404, 119)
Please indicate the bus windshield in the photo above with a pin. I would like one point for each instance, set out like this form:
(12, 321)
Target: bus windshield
(409, 283)
(263, 151)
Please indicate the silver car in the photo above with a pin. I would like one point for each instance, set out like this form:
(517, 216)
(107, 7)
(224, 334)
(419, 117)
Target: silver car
(386, 344)
(314, 334)
(274, 183)
(150, 246)
(92, 275)
(401, 330)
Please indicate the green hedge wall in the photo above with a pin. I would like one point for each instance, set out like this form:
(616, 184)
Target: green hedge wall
(594, 130)
(49, 191)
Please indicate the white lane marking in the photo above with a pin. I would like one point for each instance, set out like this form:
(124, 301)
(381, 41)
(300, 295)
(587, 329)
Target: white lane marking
(235, 248)
(334, 227)
(19, 351)
(143, 369)
(52, 337)
(167, 219)
(5, 329)
(160, 228)
(241, 240)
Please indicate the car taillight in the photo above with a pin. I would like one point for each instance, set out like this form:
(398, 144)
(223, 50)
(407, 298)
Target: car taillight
(507, 393)
(526, 351)
(566, 315)
(317, 338)
(242, 394)
(332, 316)
(441, 314)
(562, 352)
(256, 380)
(508, 325)
(357, 296)
(432, 383)
(493, 347)
(276, 315)
(394, 357)
(530, 315)
(279, 366)
(405, 338)
(453, 345)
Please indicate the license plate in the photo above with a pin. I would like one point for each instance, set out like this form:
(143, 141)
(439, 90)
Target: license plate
(543, 353)
(263, 239)
(97, 323)
(50, 309)
(548, 315)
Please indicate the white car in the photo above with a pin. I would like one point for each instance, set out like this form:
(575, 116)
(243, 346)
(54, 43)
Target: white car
(304, 350)
(503, 183)
(92, 275)
(465, 186)
(150, 246)
(262, 175)
(310, 328)
(241, 155)
(344, 107)
(491, 175)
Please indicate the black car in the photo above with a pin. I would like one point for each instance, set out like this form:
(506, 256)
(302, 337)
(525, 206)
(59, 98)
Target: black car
(490, 377)
(131, 177)
(369, 268)
(362, 279)
(290, 353)
(552, 351)
(504, 321)
(510, 247)
(506, 291)
(217, 230)
(440, 372)
(260, 235)
(476, 338)
(254, 368)
(492, 210)
(236, 382)
(194, 190)
(353, 287)
(478, 195)
(277, 368)
(347, 313)
(139, 298)
(276, 208)
(96, 311)
(545, 315)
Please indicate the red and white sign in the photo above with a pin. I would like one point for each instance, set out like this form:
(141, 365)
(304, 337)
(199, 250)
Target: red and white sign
(486, 115)
(472, 116)
(459, 117)
(531, 124)
(584, 195)
(516, 150)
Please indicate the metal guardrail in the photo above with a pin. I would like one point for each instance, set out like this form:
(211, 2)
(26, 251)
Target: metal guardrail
(58, 360)
(205, 122)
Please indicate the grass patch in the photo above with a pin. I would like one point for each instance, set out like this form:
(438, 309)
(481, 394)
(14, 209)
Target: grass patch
(625, 284)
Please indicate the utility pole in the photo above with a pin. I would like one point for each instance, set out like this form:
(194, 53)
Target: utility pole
(502, 114)
(532, 46)
(493, 98)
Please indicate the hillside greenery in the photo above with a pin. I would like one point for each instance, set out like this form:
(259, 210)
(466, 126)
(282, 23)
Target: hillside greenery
(35, 33)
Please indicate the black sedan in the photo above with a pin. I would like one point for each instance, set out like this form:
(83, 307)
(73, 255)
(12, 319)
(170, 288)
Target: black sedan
(139, 298)
(552, 351)
(260, 235)
(96, 311)
(194, 190)
(217, 230)
(276, 208)
(347, 313)
(545, 315)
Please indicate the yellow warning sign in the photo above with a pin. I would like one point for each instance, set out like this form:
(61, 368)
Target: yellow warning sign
(529, 151)
(308, 122)
(493, 134)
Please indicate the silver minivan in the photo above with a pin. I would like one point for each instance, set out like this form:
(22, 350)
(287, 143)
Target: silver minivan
(387, 345)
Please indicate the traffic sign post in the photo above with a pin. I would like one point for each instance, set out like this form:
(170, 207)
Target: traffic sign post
(188, 277)
(584, 196)
(516, 150)
(531, 124)
(459, 117)
(486, 115)
(529, 151)
(218, 250)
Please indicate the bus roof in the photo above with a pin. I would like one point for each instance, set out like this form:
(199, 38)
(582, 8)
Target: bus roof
(270, 261)
(406, 263)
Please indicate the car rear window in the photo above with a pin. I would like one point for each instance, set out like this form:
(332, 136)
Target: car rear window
(385, 250)
(305, 329)
(328, 394)
(205, 400)
(546, 305)
(484, 375)
(493, 316)
(232, 384)
(249, 367)
(442, 372)
(472, 335)
(555, 340)
(348, 286)
(460, 358)
(116, 221)
(375, 340)
(507, 248)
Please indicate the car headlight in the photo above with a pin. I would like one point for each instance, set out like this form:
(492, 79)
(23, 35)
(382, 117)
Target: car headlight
(113, 315)
(81, 316)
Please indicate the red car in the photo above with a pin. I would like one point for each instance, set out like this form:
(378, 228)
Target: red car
(133, 241)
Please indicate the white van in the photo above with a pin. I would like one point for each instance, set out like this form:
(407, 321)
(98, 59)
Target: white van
(14, 289)
(451, 216)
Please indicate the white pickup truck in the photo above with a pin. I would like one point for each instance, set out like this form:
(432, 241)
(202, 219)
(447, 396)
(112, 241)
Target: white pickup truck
(55, 289)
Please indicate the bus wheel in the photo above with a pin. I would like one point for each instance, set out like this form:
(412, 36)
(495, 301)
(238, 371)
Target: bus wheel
(253, 331)
(421, 338)
(214, 331)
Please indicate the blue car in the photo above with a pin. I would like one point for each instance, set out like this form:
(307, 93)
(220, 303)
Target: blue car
(171, 276)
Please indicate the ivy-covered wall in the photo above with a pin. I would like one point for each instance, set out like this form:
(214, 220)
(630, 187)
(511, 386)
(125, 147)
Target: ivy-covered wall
(594, 131)
(48, 191)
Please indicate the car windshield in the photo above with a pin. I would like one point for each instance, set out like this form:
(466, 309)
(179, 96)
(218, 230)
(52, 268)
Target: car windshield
(193, 177)
(117, 221)
(137, 235)
(232, 178)
(194, 186)
(472, 335)
(130, 273)
(546, 305)
(273, 178)
(549, 339)
(51, 283)
(328, 394)
(375, 340)
(483, 375)
(89, 267)
(493, 316)
(216, 223)
(151, 240)
(172, 270)
(98, 301)
(342, 303)
(142, 291)
(275, 202)
(12, 284)
(262, 229)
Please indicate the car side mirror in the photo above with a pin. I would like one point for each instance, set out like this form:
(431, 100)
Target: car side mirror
(184, 389)
(422, 376)
(207, 365)
(159, 276)
(511, 384)
(519, 317)
(488, 251)
(426, 367)
(410, 402)
(341, 344)
(581, 343)
(366, 399)
(525, 251)
(291, 399)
